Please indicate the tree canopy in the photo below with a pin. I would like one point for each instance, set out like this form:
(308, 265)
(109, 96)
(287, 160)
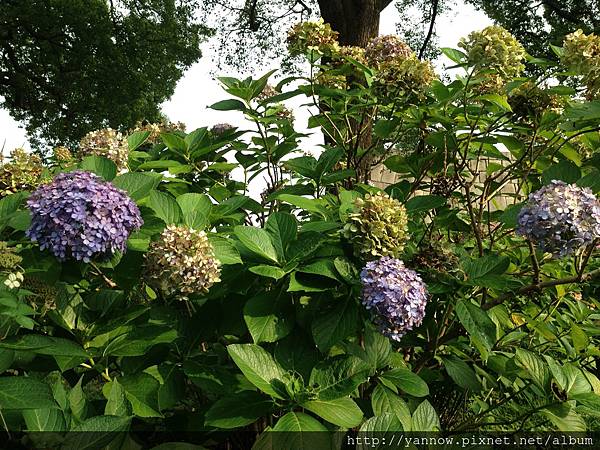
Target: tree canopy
(251, 32)
(68, 67)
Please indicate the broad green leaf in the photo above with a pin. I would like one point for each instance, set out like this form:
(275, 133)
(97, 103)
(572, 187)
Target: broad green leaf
(377, 348)
(478, 324)
(269, 317)
(161, 164)
(564, 171)
(257, 240)
(135, 140)
(77, 402)
(172, 384)
(142, 392)
(10, 204)
(534, 366)
(380, 426)
(23, 393)
(117, 403)
(424, 203)
(308, 204)
(268, 271)
(174, 142)
(225, 251)
(196, 210)
(461, 373)
(238, 411)
(165, 207)
(299, 431)
(332, 326)
(137, 185)
(408, 381)
(139, 340)
(48, 420)
(45, 345)
(96, 433)
(486, 265)
(425, 418)
(343, 412)
(498, 100)
(258, 366)
(228, 105)
(101, 166)
(454, 55)
(383, 401)
(564, 417)
(338, 377)
(283, 229)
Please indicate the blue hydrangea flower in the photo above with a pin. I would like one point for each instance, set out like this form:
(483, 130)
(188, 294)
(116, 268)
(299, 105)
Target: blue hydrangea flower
(560, 218)
(81, 216)
(395, 295)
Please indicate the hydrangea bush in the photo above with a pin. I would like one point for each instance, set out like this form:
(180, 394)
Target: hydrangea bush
(457, 292)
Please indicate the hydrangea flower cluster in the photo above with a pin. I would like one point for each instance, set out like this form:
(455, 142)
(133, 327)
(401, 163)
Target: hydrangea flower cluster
(582, 55)
(560, 218)
(494, 48)
(528, 101)
(81, 216)
(383, 49)
(404, 77)
(312, 36)
(182, 262)
(22, 173)
(221, 128)
(44, 294)
(62, 155)
(379, 227)
(395, 295)
(107, 143)
(156, 129)
(9, 266)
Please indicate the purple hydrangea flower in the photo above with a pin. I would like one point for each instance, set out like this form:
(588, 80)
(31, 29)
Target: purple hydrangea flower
(81, 216)
(395, 295)
(560, 218)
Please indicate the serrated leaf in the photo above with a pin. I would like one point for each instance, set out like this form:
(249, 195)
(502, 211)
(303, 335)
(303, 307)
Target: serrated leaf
(135, 140)
(383, 401)
(165, 207)
(257, 240)
(408, 381)
(269, 317)
(338, 377)
(101, 166)
(425, 418)
(142, 392)
(332, 326)
(343, 412)
(117, 403)
(478, 324)
(137, 185)
(258, 366)
(196, 210)
(96, 433)
(225, 251)
(238, 410)
(23, 393)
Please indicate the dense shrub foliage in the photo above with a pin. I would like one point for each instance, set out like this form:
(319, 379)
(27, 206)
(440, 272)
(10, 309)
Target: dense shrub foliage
(156, 296)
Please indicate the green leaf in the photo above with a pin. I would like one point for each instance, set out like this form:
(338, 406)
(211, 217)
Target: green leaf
(257, 240)
(408, 381)
(307, 204)
(332, 326)
(165, 207)
(269, 317)
(299, 431)
(383, 401)
(343, 412)
(225, 251)
(486, 265)
(564, 417)
(283, 228)
(579, 338)
(196, 210)
(48, 420)
(268, 271)
(96, 433)
(534, 366)
(228, 105)
(381, 426)
(161, 164)
(135, 140)
(258, 366)
(45, 345)
(139, 340)
(174, 142)
(137, 185)
(479, 326)
(425, 418)
(238, 411)
(454, 55)
(498, 100)
(101, 166)
(424, 203)
(564, 171)
(461, 373)
(77, 402)
(25, 393)
(377, 348)
(142, 392)
(117, 404)
(338, 377)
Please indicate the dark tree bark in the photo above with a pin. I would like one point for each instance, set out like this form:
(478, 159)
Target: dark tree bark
(357, 21)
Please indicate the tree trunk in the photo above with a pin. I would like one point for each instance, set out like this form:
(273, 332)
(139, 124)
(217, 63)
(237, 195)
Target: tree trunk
(357, 21)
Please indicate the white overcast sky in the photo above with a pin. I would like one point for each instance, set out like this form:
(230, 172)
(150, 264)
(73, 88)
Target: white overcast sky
(197, 89)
